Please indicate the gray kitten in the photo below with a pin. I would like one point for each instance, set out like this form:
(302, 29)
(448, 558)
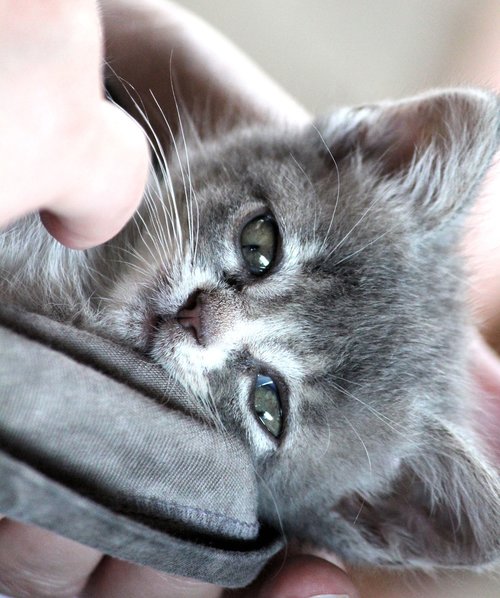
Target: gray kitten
(304, 286)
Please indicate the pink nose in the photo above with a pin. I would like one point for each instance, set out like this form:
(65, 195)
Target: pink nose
(189, 316)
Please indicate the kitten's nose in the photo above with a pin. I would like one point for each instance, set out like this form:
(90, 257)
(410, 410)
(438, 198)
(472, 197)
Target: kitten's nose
(189, 316)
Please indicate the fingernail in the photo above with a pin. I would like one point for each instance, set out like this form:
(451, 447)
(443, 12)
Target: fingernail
(329, 596)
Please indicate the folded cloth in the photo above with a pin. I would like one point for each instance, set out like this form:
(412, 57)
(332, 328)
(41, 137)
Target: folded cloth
(102, 446)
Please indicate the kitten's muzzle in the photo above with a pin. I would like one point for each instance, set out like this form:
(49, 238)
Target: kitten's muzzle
(209, 315)
(190, 316)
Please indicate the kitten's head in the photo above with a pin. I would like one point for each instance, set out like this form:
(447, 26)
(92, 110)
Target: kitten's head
(317, 302)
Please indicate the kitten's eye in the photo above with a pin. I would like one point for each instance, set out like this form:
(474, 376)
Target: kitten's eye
(259, 241)
(267, 404)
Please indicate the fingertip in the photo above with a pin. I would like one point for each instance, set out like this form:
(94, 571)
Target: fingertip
(127, 147)
(107, 187)
(88, 229)
(306, 576)
(64, 231)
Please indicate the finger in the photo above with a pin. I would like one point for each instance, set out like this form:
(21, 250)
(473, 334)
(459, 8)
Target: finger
(482, 250)
(304, 576)
(486, 375)
(119, 579)
(107, 183)
(35, 562)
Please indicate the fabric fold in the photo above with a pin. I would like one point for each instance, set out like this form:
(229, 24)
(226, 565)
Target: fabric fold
(101, 445)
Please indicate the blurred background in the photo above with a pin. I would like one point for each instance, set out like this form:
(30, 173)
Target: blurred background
(334, 52)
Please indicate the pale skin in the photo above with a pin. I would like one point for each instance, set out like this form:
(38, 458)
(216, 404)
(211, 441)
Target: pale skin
(66, 152)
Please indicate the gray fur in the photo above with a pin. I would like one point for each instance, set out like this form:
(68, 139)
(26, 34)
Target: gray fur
(362, 320)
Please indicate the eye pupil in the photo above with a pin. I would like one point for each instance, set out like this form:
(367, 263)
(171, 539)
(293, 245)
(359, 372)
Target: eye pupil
(259, 240)
(267, 404)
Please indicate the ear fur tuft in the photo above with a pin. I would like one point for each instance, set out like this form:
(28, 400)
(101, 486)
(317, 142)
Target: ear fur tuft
(442, 510)
(431, 150)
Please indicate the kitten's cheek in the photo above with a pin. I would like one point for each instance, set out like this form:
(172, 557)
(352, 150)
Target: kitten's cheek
(165, 337)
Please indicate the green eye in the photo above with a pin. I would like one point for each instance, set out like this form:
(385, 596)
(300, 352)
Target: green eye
(259, 241)
(267, 404)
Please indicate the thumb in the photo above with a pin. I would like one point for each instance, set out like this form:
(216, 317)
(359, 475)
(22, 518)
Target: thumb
(106, 183)
(304, 576)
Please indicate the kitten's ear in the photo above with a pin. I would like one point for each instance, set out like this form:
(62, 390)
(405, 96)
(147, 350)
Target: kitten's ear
(443, 509)
(432, 149)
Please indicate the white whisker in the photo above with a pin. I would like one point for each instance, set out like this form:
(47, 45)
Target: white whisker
(338, 188)
(383, 418)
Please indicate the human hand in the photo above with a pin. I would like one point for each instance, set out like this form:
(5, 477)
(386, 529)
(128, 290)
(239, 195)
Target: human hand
(37, 563)
(64, 149)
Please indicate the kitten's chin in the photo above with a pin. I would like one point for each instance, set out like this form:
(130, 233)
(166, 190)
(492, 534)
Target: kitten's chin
(165, 342)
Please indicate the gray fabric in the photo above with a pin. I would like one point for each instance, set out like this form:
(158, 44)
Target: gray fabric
(100, 445)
